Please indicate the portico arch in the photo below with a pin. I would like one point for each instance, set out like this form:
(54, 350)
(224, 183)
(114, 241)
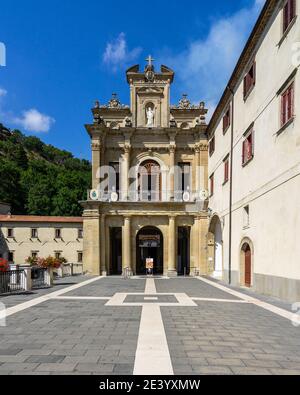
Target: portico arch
(215, 246)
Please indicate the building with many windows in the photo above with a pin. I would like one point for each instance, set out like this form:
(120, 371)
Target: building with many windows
(254, 161)
(30, 236)
(147, 207)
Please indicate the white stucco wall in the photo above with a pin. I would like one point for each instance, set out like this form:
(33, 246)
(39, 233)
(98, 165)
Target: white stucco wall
(270, 183)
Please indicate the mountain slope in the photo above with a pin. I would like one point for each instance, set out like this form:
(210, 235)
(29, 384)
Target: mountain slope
(39, 179)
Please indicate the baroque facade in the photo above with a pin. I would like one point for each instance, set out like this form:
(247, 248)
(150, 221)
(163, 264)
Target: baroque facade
(254, 161)
(149, 164)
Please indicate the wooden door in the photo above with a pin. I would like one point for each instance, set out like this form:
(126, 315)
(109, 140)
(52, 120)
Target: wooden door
(248, 274)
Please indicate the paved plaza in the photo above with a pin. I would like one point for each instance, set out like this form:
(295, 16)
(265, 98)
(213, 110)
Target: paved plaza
(108, 326)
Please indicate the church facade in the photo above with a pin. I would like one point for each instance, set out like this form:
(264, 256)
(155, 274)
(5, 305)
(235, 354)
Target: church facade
(148, 205)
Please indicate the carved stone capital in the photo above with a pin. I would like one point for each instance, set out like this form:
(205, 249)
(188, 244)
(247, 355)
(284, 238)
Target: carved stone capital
(172, 149)
(127, 149)
(96, 145)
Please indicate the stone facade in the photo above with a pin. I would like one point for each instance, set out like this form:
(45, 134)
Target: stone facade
(254, 241)
(23, 236)
(126, 221)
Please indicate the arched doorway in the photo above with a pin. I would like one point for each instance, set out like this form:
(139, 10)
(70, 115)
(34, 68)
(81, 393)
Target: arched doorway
(149, 181)
(149, 244)
(246, 271)
(216, 247)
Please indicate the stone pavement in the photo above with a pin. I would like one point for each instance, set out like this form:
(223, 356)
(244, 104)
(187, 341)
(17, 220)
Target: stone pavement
(138, 326)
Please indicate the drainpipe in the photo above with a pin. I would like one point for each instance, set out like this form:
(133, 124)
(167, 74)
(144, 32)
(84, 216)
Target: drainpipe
(230, 184)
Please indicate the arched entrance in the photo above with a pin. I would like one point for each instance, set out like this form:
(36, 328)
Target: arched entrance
(246, 269)
(149, 244)
(216, 247)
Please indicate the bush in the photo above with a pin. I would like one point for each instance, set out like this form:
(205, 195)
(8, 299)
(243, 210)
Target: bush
(4, 266)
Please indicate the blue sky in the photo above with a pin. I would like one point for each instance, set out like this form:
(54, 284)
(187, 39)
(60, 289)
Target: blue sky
(62, 56)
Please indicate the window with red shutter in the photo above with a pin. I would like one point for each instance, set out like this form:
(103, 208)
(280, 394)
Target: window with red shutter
(249, 80)
(287, 105)
(212, 146)
(212, 184)
(226, 170)
(226, 120)
(289, 13)
(248, 151)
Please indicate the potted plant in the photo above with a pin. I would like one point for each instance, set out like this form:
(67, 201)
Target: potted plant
(32, 261)
(4, 279)
(50, 264)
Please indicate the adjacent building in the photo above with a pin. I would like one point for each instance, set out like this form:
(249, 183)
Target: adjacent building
(147, 207)
(30, 236)
(254, 158)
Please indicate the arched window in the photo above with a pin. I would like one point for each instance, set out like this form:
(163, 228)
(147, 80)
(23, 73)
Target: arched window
(149, 185)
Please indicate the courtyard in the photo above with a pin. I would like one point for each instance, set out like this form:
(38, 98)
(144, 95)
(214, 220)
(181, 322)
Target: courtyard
(147, 326)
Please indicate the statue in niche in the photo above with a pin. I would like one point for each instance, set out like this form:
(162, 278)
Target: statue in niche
(150, 117)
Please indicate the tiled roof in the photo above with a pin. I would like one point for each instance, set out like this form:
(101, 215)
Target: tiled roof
(31, 218)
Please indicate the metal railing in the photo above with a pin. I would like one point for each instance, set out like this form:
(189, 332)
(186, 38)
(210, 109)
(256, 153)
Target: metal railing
(38, 278)
(77, 269)
(12, 281)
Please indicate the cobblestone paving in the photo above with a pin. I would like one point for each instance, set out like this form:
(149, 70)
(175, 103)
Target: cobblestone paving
(86, 337)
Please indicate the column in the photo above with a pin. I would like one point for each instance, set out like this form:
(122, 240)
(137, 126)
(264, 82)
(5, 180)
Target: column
(125, 176)
(172, 265)
(127, 244)
(195, 246)
(198, 171)
(96, 162)
(172, 172)
(103, 269)
(91, 243)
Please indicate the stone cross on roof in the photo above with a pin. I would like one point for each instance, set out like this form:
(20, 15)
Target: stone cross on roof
(150, 60)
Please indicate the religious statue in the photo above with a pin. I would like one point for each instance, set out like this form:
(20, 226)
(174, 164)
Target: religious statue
(150, 118)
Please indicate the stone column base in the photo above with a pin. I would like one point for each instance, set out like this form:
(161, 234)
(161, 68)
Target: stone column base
(172, 273)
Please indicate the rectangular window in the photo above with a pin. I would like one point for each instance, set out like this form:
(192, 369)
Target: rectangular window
(212, 146)
(212, 184)
(34, 233)
(246, 214)
(248, 147)
(226, 170)
(58, 233)
(249, 80)
(287, 105)
(114, 177)
(226, 120)
(184, 177)
(10, 233)
(57, 254)
(80, 257)
(11, 257)
(289, 13)
(80, 233)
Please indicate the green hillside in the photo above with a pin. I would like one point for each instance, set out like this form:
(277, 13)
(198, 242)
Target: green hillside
(39, 179)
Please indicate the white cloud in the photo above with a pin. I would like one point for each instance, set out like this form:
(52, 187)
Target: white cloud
(34, 121)
(204, 68)
(117, 52)
(3, 92)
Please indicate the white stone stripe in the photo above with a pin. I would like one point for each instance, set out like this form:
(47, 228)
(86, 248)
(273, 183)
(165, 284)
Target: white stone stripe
(150, 286)
(273, 309)
(220, 300)
(34, 302)
(81, 298)
(152, 354)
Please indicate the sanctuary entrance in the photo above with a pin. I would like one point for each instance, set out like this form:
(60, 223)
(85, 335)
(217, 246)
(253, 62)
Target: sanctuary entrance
(149, 247)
